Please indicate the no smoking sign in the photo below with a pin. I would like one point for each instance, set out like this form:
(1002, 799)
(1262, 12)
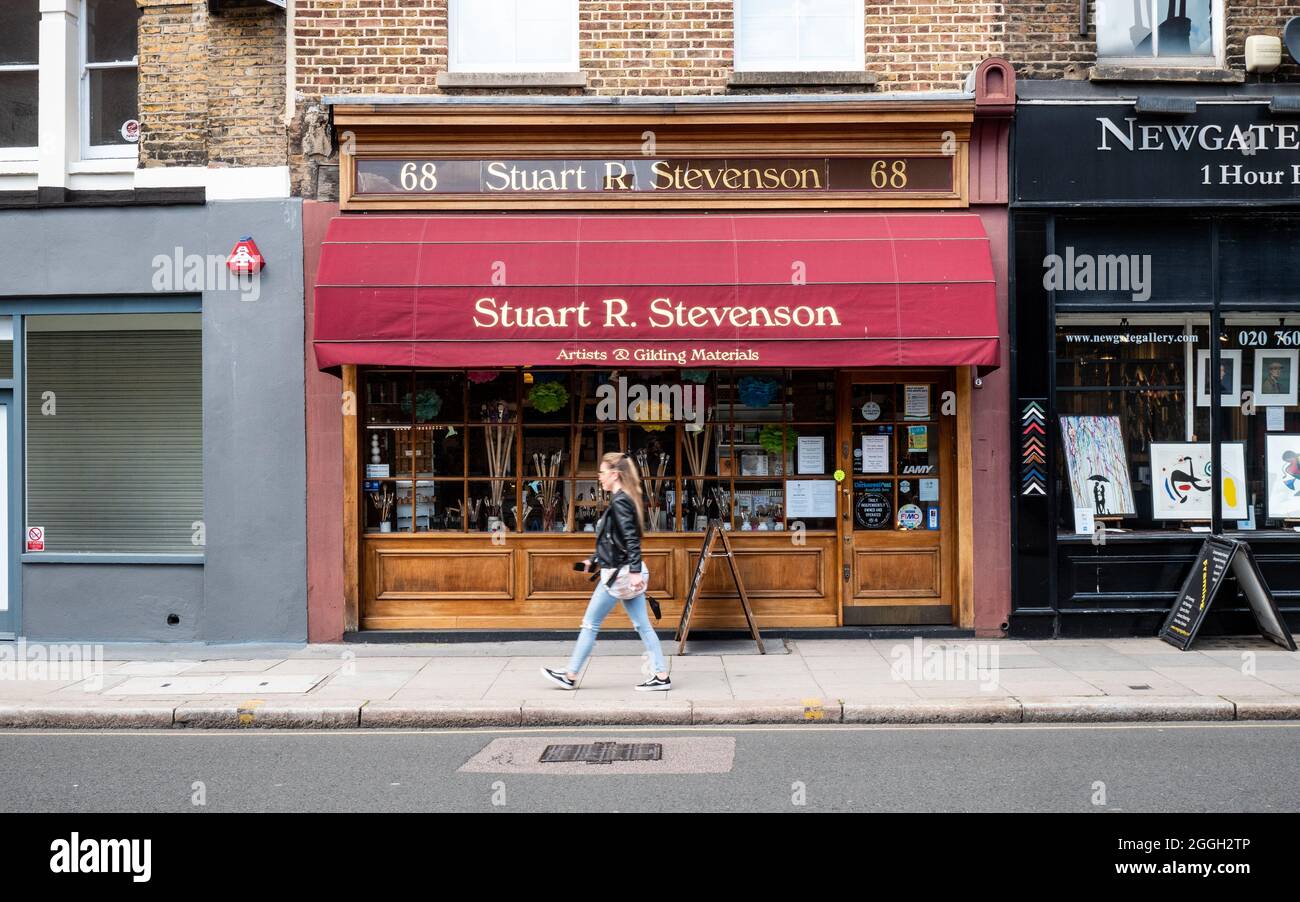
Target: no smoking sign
(36, 538)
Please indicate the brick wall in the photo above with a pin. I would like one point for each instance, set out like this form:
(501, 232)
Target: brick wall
(931, 46)
(667, 47)
(1042, 39)
(212, 87)
(632, 47)
(680, 47)
(1247, 17)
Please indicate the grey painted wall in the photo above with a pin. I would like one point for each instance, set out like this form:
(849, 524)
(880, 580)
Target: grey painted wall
(253, 582)
(112, 602)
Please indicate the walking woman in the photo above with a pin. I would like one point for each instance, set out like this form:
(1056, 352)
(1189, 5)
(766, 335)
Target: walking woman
(622, 574)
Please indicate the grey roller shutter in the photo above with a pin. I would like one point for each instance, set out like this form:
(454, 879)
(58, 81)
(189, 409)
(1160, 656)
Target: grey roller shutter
(118, 467)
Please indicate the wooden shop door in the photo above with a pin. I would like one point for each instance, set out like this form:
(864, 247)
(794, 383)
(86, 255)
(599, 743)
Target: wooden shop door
(898, 514)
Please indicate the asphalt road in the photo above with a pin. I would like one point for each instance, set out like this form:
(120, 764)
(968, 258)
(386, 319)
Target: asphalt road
(1112, 767)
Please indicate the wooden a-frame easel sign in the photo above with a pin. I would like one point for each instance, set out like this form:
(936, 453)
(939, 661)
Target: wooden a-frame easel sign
(711, 536)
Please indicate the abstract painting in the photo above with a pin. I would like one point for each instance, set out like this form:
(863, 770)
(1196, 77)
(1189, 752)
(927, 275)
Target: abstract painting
(1283, 467)
(1098, 465)
(1182, 477)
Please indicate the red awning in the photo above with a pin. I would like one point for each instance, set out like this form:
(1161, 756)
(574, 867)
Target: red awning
(823, 289)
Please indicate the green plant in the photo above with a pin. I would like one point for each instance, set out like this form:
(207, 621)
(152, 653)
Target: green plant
(770, 438)
(548, 397)
(428, 404)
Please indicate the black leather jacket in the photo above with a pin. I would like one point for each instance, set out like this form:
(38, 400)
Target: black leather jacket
(618, 535)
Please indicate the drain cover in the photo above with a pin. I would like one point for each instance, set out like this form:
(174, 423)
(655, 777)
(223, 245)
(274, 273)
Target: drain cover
(602, 753)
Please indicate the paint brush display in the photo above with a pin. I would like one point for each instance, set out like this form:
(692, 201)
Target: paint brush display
(547, 469)
(499, 436)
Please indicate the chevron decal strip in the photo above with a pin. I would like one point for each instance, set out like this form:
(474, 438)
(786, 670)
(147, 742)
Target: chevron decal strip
(1033, 450)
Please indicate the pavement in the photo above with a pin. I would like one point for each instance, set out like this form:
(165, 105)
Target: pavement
(824, 681)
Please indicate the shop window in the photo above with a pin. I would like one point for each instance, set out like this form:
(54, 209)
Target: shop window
(1170, 31)
(513, 35)
(1132, 441)
(897, 467)
(1252, 251)
(799, 35)
(110, 103)
(114, 423)
(1130, 261)
(19, 77)
(1260, 366)
(519, 450)
(6, 347)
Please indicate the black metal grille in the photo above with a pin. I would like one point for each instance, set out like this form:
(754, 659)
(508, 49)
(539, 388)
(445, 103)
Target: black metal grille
(602, 753)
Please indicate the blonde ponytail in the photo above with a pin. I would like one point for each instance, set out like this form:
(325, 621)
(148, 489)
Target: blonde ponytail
(630, 478)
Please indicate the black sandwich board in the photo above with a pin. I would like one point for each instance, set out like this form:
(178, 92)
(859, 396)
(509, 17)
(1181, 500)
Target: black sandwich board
(1217, 555)
(712, 534)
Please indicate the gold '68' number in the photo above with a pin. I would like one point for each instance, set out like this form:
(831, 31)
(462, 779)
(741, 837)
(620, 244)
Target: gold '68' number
(425, 178)
(887, 175)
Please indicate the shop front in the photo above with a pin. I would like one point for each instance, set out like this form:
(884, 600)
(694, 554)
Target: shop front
(1156, 335)
(151, 426)
(780, 311)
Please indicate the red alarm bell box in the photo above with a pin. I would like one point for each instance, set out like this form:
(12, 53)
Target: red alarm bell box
(245, 259)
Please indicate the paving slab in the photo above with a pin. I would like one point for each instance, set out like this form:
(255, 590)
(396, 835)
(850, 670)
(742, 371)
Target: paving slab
(802, 681)
(228, 665)
(546, 712)
(433, 715)
(208, 715)
(858, 709)
(1265, 708)
(1125, 708)
(138, 715)
(776, 710)
(166, 685)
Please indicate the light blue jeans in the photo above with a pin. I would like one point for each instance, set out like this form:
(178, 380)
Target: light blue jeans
(597, 610)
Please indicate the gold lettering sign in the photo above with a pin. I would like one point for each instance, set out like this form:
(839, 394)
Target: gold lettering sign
(829, 176)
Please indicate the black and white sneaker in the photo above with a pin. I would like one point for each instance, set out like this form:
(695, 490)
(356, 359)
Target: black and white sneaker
(655, 684)
(559, 678)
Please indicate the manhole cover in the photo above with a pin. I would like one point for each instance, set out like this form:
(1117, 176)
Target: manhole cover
(635, 754)
(602, 753)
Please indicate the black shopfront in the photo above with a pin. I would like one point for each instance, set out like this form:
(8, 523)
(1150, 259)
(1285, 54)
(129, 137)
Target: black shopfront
(1155, 322)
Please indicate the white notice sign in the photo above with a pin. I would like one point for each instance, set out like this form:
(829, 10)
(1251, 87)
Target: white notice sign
(809, 498)
(875, 453)
(916, 402)
(1085, 523)
(812, 454)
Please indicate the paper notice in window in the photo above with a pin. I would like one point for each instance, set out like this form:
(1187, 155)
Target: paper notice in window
(812, 454)
(918, 439)
(875, 453)
(809, 498)
(916, 402)
(1084, 521)
(1276, 419)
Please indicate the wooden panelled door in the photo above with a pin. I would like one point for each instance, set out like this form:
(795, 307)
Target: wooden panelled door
(898, 501)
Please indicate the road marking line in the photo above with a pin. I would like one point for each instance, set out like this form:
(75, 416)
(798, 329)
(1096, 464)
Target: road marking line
(652, 728)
